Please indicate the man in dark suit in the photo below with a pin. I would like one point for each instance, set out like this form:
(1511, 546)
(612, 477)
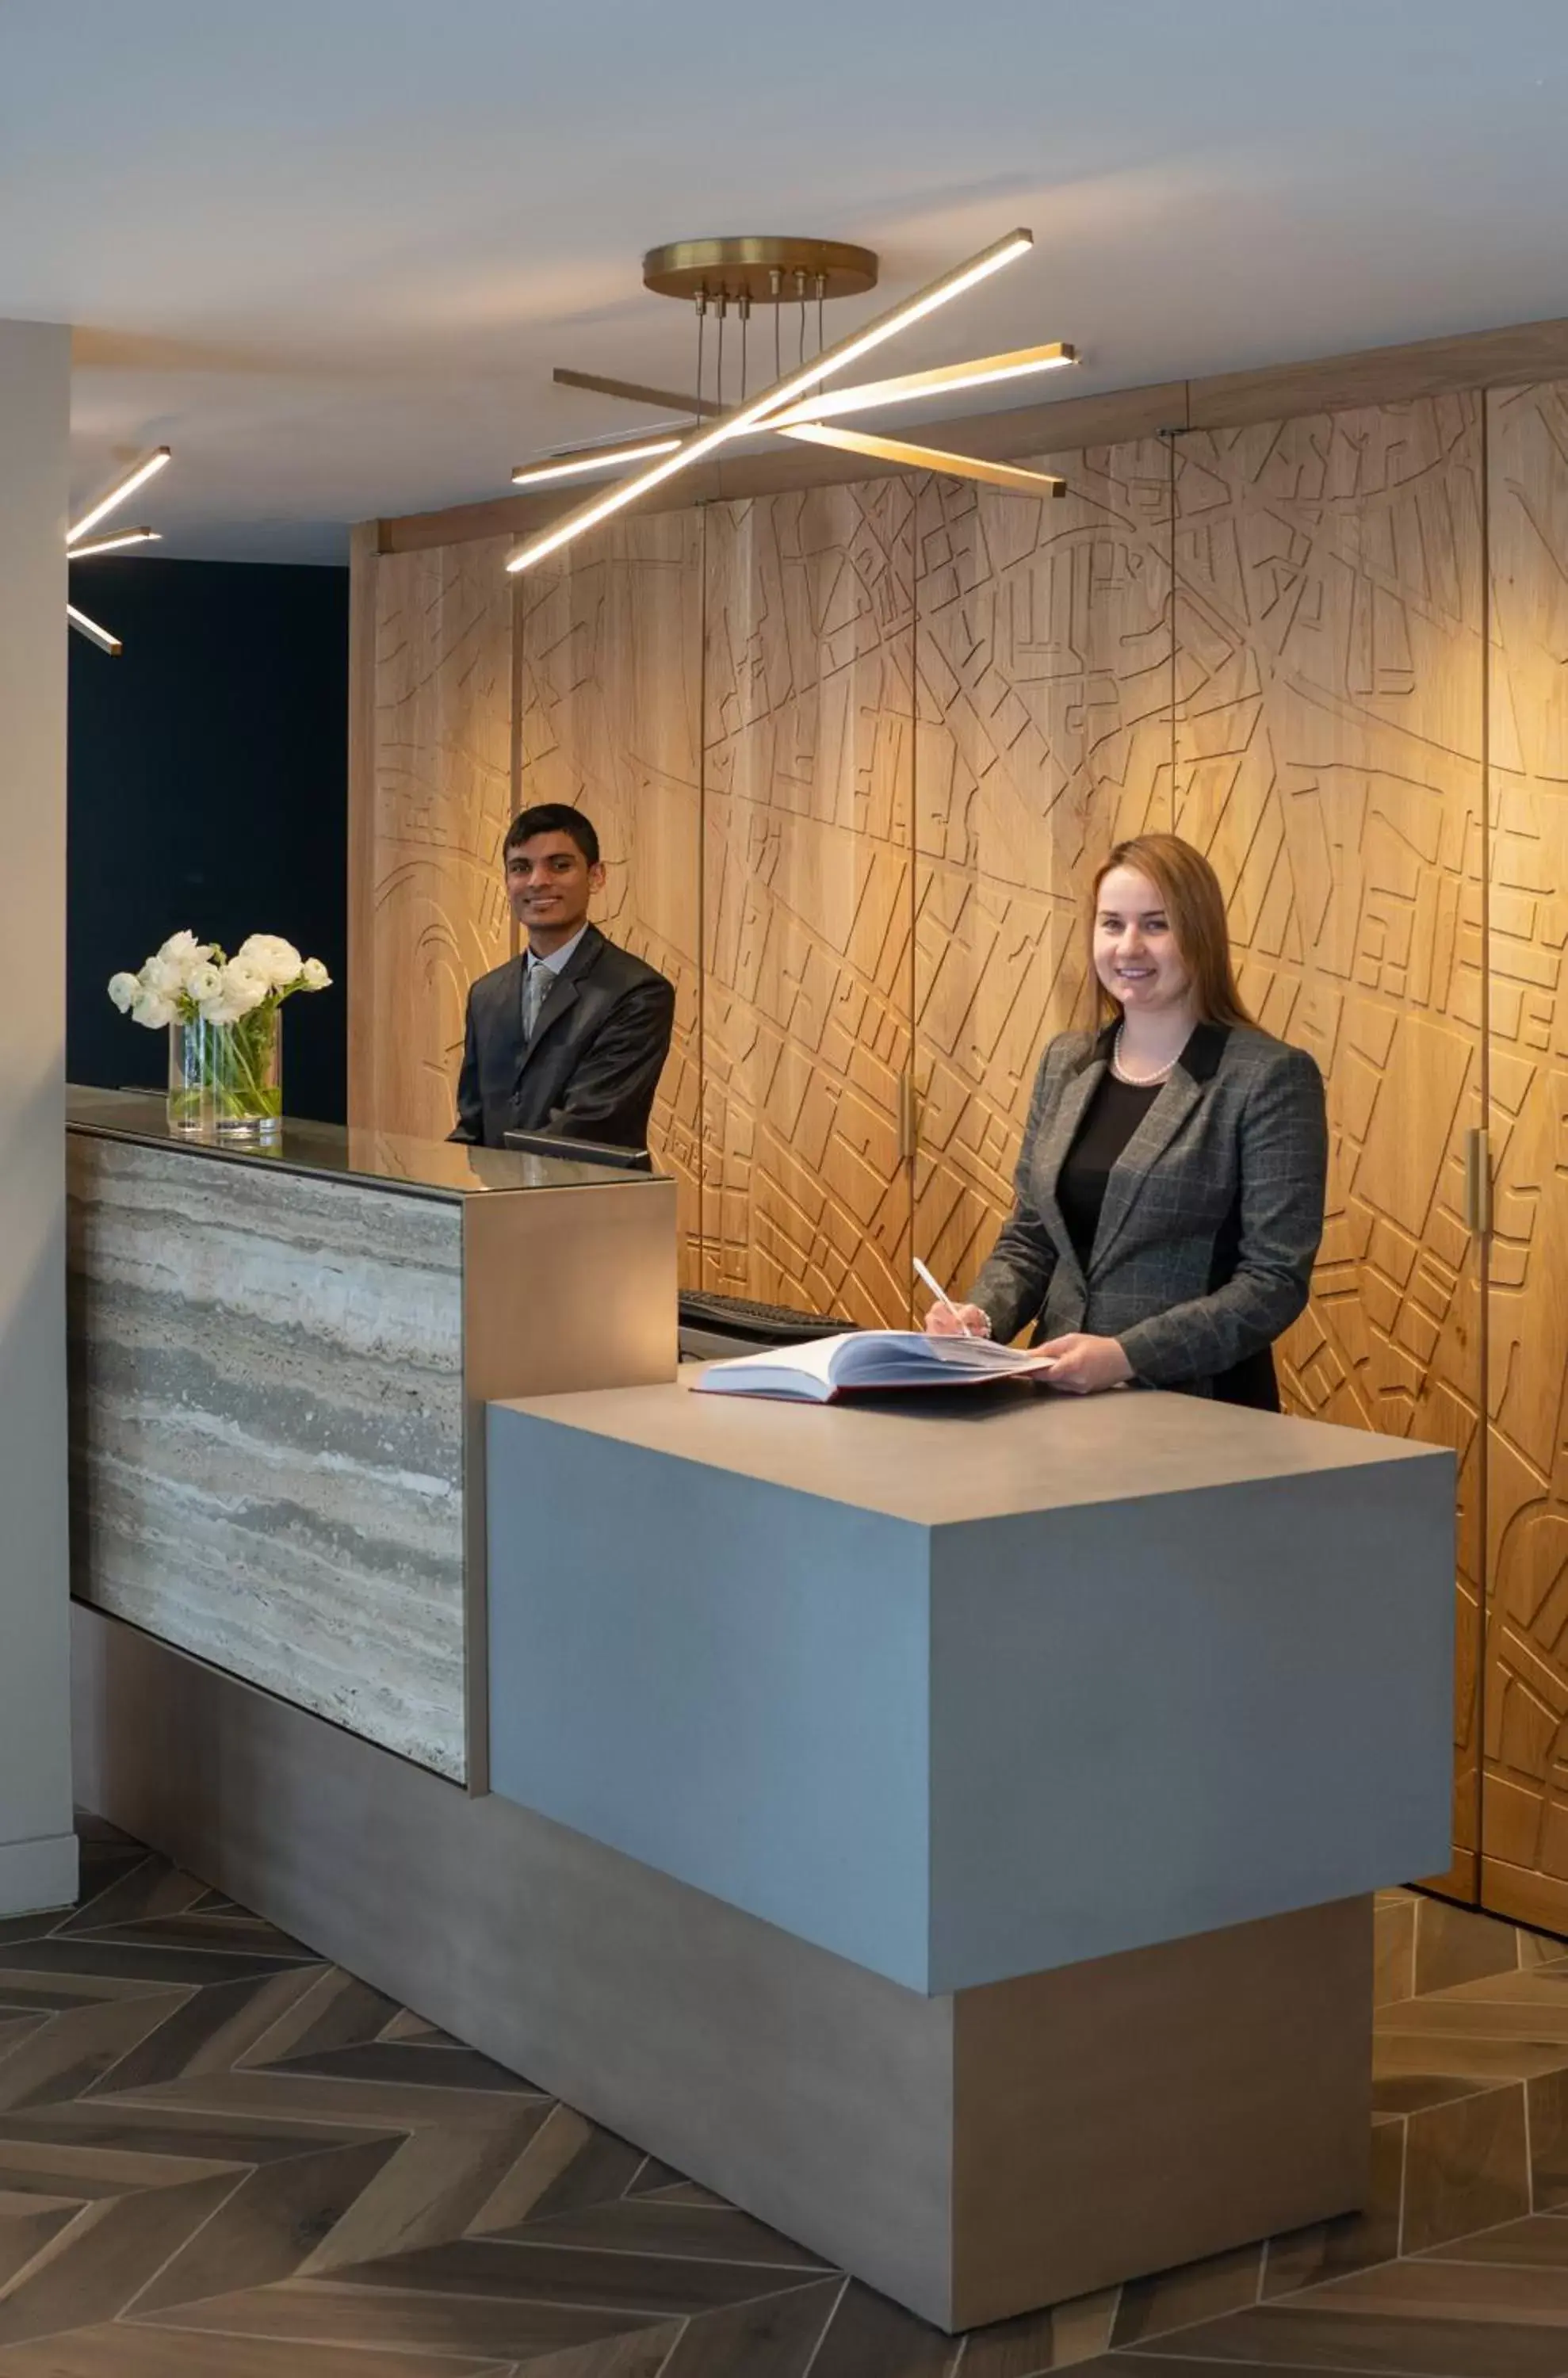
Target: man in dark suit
(572, 1037)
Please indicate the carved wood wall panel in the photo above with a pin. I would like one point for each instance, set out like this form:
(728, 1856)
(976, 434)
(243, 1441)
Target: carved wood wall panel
(854, 819)
(440, 786)
(1329, 660)
(1524, 1824)
(610, 649)
(1043, 733)
(806, 890)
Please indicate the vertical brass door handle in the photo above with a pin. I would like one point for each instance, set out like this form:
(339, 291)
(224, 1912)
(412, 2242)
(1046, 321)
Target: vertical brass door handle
(908, 1117)
(1477, 1184)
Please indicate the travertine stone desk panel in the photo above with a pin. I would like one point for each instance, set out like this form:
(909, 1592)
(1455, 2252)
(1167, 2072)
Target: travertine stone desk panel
(269, 1415)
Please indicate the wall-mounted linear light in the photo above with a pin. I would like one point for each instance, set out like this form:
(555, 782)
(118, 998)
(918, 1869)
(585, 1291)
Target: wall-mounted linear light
(931, 458)
(582, 464)
(80, 547)
(786, 390)
(115, 542)
(944, 379)
(117, 494)
(90, 628)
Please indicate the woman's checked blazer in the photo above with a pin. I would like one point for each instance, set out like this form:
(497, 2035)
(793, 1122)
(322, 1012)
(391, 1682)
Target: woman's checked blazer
(1212, 1213)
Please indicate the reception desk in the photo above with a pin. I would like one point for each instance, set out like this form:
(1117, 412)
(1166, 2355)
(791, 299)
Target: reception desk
(945, 1828)
(1044, 1754)
(280, 1364)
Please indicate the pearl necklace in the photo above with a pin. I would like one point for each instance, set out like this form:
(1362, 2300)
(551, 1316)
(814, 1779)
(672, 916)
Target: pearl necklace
(1139, 1081)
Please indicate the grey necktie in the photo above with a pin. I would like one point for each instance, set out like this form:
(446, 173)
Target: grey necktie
(536, 983)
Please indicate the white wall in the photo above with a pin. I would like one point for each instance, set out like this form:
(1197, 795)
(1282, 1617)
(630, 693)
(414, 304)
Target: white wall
(37, 1850)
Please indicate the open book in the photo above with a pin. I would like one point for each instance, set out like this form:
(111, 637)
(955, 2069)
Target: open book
(867, 1362)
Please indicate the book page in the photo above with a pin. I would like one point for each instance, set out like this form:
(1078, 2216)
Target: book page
(866, 1360)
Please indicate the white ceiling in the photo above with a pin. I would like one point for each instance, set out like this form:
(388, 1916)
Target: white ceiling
(328, 250)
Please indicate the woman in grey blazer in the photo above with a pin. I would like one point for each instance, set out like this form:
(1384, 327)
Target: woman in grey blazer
(1169, 1194)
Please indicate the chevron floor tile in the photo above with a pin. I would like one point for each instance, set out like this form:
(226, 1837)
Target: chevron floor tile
(222, 2157)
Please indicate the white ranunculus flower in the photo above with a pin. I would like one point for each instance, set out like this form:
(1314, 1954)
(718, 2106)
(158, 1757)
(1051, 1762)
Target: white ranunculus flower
(184, 974)
(271, 955)
(165, 975)
(241, 987)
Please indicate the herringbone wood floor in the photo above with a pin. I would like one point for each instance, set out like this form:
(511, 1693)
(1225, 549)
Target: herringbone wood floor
(220, 2154)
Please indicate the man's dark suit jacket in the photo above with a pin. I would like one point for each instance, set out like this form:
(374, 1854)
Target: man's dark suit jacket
(593, 1064)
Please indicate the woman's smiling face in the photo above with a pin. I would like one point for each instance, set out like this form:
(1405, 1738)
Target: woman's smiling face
(1136, 955)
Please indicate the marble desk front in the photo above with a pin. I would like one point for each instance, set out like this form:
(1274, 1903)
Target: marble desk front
(280, 1364)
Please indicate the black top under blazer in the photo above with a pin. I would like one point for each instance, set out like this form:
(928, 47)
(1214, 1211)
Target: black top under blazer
(1212, 1217)
(593, 1064)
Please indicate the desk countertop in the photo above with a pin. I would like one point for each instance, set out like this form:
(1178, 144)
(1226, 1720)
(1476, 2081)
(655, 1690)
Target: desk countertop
(382, 1159)
(944, 1457)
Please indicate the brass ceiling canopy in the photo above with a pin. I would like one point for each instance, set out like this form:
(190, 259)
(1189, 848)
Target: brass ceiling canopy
(768, 271)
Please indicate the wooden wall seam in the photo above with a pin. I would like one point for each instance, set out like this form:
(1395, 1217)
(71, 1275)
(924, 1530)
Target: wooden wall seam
(1483, 1241)
(360, 991)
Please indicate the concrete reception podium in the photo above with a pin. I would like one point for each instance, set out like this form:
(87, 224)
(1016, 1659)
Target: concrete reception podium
(1052, 1746)
(945, 1827)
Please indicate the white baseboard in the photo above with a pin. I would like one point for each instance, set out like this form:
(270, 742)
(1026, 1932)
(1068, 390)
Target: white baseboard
(38, 1875)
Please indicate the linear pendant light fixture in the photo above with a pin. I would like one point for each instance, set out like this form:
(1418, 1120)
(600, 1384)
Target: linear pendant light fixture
(756, 413)
(93, 631)
(137, 477)
(946, 380)
(580, 465)
(931, 458)
(115, 542)
(81, 546)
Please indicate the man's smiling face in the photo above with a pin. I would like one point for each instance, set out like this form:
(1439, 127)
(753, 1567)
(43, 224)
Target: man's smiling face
(549, 883)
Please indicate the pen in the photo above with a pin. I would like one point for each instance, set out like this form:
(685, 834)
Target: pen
(935, 1285)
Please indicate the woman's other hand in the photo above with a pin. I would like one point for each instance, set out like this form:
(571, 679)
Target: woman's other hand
(957, 1321)
(1084, 1364)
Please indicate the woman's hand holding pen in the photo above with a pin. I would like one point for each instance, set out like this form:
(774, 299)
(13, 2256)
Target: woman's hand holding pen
(957, 1321)
(946, 1320)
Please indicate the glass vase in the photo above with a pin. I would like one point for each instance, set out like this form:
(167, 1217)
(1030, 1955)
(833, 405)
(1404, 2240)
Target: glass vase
(226, 1080)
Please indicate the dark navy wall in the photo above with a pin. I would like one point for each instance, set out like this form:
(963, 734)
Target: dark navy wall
(209, 789)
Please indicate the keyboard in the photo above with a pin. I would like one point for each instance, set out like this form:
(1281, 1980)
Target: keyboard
(744, 1317)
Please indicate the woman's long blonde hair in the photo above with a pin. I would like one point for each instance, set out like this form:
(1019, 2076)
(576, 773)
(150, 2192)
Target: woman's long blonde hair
(1196, 907)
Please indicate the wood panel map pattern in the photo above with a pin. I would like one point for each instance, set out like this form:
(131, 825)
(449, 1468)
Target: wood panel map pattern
(1525, 1827)
(1329, 672)
(610, 658)
(856, 749)
(1044, 733)
(441, 790)
(806, 900)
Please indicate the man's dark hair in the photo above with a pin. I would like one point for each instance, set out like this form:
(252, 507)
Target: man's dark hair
(553, 817)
